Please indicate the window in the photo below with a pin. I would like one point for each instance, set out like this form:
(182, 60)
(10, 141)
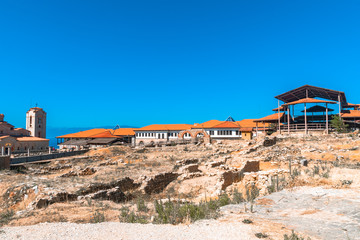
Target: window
(163, 136)
(30, 121)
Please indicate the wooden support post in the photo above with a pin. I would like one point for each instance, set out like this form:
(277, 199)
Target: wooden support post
(288, 117)
(279, 116)
(306, 131)
(339, 99)
(327, 119)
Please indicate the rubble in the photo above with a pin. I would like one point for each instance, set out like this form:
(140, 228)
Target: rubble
(84, 172)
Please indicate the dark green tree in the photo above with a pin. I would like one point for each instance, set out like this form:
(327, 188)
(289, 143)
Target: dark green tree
(339, 125)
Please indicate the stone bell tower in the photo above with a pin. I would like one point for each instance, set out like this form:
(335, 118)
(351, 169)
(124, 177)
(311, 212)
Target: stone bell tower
(36, 122)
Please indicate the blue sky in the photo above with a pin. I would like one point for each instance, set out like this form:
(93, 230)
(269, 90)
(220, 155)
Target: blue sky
(102, 63)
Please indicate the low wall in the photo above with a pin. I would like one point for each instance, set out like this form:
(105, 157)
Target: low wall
(4, 162)
(46, 157)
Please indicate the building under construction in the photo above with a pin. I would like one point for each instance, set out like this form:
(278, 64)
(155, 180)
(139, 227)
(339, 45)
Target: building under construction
(308, 109)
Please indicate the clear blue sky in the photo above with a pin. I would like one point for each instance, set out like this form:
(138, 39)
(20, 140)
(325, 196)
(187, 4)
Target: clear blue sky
(101, 63)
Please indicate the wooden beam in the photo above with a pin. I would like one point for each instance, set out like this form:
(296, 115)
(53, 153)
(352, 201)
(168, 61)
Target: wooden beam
(288, 117)
(327, 119)
(305, 118)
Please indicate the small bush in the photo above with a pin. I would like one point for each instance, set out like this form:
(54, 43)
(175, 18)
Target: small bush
(131, 217)
(247, 221)
(141, 206)
(6, 217)
(175, 213)
(224, 200)
(237, 197)
(293, 236)
(261, 235)
(98, 217)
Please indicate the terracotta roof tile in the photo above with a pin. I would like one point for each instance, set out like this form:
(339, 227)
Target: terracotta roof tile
(31, 139)
(351, 114)
(124, 132)
(84, 134)
(106, 134)
(307, 100)
(249, 123)
(271, 117)
(227, 124)
(207, 124)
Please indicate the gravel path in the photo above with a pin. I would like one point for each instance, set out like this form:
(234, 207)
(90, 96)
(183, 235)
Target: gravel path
(112, 230)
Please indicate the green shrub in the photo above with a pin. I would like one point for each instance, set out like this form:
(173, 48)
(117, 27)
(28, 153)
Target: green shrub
(339, 125)
(261, 235)
(131, 217)
(98, 217)
(141, 206)
(6, 217)
(293, 236)
(247, 221)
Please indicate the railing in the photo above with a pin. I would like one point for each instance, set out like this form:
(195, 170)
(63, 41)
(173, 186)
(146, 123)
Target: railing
(301, 126)
(46, 157)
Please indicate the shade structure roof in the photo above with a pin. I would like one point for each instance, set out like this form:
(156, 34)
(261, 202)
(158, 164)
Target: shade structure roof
(307, 100)
(317, 108)
(281, 109)
(271, 118)
(308, 91)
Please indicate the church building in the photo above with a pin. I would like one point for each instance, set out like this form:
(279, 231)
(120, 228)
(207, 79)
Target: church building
(19, 140)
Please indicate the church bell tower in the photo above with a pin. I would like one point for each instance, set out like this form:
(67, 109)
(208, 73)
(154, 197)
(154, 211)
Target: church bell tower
(36, 122)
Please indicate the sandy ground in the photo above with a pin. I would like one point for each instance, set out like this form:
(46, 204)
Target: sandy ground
(314, 211)
(210, 229)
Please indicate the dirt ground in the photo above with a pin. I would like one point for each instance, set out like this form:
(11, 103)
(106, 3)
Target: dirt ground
(293, 169)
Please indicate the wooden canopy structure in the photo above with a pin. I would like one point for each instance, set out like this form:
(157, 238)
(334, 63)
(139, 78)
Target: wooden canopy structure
(285, 119)
(308, 91)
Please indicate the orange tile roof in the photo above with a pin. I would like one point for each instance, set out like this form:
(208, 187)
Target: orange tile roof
(6, 136)
(249, 123)
(84, 134)
(124, 132)
(207, 124)
(165, 127)
(227, 124)
(106, 134)
(307, 100)
(271, 117)
(246, 129)
(351, 114)
(31, 139)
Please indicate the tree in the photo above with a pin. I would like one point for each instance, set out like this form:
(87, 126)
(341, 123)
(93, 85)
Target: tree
(338, 124)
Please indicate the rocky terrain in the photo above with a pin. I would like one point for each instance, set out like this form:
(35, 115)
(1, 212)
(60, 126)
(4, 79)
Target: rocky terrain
(262, 188)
